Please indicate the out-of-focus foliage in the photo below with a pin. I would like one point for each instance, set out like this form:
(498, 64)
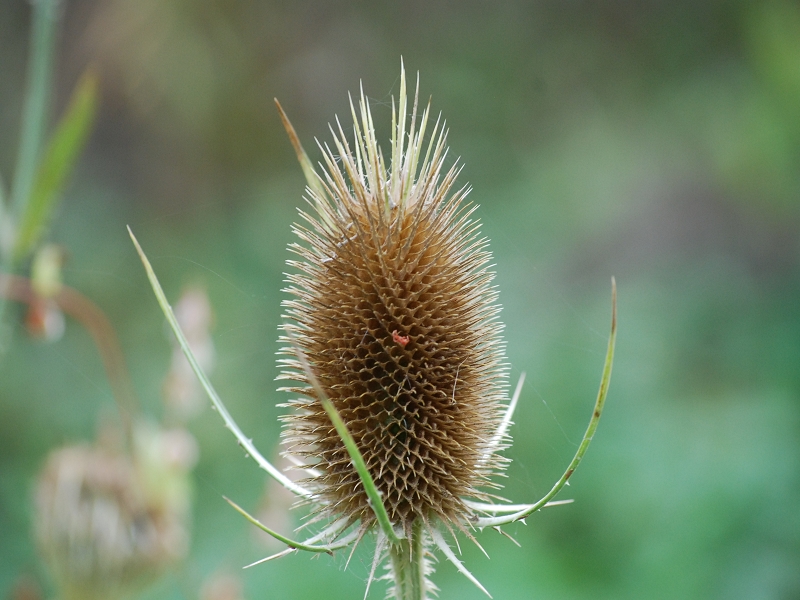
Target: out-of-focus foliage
(658, 142)
(58, 161)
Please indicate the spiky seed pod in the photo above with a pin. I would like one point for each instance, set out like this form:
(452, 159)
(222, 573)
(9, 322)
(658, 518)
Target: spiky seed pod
(394, 311)
(395, 345)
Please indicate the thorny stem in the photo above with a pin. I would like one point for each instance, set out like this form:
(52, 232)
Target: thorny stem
(94, 320)
(408, 565)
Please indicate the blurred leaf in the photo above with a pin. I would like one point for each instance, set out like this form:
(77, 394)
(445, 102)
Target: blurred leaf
(2, 198)
(63, 150)
(5, 230)
(774, 36)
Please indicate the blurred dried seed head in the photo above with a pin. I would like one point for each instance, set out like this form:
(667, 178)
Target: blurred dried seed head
(394, 310)
(107, 523)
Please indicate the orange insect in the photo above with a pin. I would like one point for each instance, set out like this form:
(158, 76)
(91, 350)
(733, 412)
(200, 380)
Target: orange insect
(400, 339)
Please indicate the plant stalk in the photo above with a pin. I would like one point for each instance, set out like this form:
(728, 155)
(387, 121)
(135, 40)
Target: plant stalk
(408, 565)
(37, 95)
(96, 323)
(34, 117)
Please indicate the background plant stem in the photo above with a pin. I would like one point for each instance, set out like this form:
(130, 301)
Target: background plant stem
(96, 323)
(37, 96)
(34, 117)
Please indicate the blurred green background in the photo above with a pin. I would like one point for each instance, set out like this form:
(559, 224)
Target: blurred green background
(658, 142)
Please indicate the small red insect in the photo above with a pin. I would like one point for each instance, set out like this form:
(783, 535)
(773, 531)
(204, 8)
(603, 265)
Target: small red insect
(400, 339)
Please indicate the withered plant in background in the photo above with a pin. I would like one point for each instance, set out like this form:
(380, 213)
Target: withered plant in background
(108, 521)
(111, 516)
(394, 346)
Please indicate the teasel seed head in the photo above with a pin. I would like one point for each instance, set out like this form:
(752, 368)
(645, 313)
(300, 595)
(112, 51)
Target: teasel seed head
(394, 344)
(107, 522)
(394, 312)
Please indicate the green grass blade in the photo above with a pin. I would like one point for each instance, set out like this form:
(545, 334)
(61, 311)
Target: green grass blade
(62, 153)
(245, 442)
(5, 227)
(35, 102)
(34, 119)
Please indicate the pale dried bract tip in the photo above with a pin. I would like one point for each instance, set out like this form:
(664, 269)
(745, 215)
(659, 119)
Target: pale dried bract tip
(394, 310)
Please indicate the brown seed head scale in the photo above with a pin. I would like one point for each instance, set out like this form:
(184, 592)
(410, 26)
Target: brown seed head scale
(394, 310)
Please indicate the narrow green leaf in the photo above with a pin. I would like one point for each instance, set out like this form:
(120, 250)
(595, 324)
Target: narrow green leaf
(62, 153)
(244, 441)
(2, 198)
(5, 227)
(38, 82)
(38, 86)
(602, 393)
(376, 502)
(326, 548)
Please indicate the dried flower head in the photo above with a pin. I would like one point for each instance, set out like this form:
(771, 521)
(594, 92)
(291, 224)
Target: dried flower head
(394, 311)
(394, 346)
(107, 522)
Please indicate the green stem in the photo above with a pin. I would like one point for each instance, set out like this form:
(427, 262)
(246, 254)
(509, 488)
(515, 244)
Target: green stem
(408, 564)
(37, 95)
(96, 323)
(34, 116)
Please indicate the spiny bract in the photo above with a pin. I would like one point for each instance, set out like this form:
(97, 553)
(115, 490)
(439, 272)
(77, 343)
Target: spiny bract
(394, 312)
